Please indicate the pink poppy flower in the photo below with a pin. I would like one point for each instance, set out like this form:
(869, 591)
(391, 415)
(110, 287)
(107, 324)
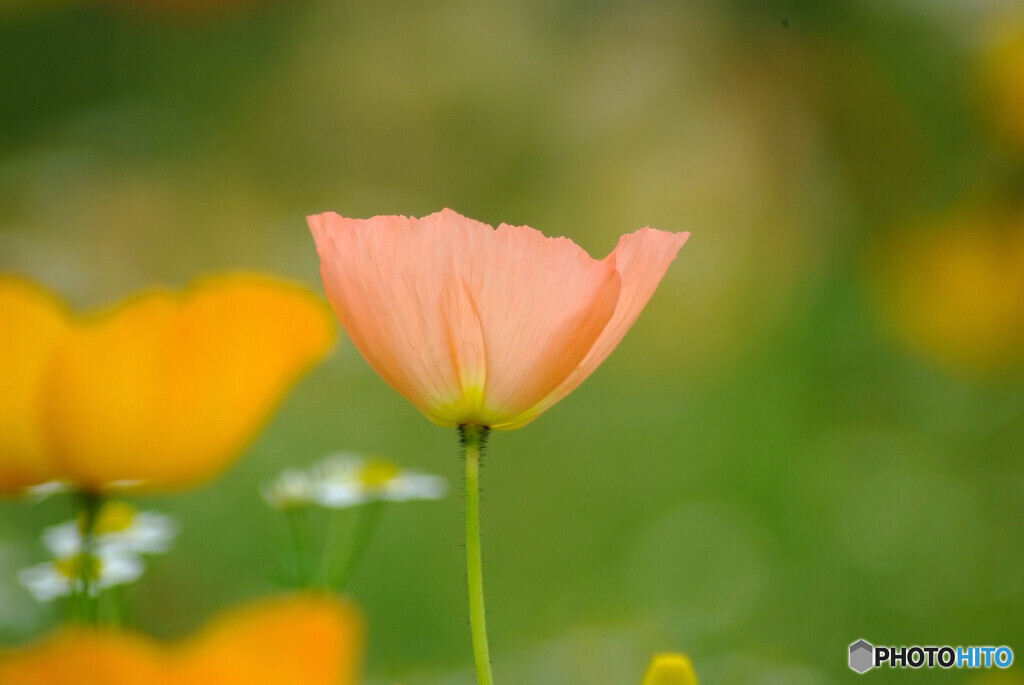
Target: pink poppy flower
(476, 325)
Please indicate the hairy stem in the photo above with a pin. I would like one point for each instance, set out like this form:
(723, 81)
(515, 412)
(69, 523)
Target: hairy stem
(473, 440)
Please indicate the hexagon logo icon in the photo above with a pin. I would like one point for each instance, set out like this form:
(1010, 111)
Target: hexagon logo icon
(862, 656)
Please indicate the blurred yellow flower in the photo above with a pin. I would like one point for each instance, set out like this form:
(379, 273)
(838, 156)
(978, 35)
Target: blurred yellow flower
(954, 290)
(162, 390)
(32, 322)
(671, 669)
(296, 640)
(1003, 82)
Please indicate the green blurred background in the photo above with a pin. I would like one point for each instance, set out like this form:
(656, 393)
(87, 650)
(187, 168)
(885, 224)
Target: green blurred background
(813, 434)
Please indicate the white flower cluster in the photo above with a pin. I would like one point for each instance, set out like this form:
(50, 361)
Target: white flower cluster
(348, 480)
(121, 535)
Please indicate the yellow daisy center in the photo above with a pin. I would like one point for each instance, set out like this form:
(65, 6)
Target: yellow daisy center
(73, 567)
(114, 517)
(377, 473)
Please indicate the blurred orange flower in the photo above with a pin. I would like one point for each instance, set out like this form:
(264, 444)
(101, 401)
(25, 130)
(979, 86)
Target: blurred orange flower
(296, 640)
(954, 289)
(32, 323)
(162, 390)
(1003, 82)
(481, 326)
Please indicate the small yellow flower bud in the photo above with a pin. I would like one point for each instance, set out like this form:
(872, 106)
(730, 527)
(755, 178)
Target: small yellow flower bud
(670, 669)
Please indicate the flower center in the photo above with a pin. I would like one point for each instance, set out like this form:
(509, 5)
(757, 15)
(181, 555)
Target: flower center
(114, 517)
(73, 566)
(377, 473)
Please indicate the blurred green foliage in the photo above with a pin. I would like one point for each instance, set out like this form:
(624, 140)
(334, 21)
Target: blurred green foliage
(761, 474)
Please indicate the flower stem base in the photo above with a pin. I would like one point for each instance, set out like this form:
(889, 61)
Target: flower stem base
(473, 439)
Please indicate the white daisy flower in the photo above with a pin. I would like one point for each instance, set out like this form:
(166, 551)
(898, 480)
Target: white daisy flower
(62, 577)
(347, 480)
(119, 527)
(41, 491)
(291, 489)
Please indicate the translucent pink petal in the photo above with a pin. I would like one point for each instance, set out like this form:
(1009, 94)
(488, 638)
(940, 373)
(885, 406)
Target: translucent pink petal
(641, 260)
(385, 283)
(471, 324)
(543, 303)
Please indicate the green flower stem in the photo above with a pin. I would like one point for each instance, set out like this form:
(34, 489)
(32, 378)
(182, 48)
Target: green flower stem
(112, 605)
(327, 556)
(298, 529)
(89, 508)
(473, 440)
(118, 606)
(369, 516)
